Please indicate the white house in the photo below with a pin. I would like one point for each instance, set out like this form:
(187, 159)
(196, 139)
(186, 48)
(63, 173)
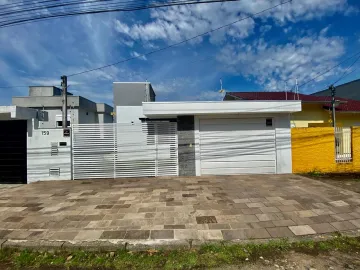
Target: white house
(153, 138)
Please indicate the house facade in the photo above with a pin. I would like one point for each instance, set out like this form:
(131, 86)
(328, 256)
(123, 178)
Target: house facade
(153, 138)
(316, 110)
(219, 137)
(33, 145)
(47, 100)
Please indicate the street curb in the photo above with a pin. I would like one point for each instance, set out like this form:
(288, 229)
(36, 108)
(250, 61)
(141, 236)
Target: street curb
(33, 244)
(2, 241)
(140, 245)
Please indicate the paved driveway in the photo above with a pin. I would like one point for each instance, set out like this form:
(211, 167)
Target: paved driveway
(204, 208)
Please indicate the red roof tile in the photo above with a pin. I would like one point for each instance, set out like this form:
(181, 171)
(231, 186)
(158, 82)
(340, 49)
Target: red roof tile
(350, 105)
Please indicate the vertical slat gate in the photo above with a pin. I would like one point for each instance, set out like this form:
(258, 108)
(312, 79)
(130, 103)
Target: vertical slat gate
(343, 151)
(124, 150)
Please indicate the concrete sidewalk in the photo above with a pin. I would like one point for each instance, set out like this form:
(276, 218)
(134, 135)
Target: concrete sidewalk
(175, 210)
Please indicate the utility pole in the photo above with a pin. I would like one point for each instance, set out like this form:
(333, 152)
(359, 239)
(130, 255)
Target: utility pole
(64, 100)
(333, 93)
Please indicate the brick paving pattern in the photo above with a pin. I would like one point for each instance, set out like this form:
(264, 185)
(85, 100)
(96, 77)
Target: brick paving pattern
(177, 208)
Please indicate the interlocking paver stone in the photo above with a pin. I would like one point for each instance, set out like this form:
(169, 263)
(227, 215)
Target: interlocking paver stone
(206, 219)
(255, 204)
(323, 211)
(280, 232)
(306, 213)
(88, 235)
(239, 225)
(302, 230)
(257, 233)
(64, 235)
(262, 224)
(4, 233)
(288, 208)
(234, 234)
(269, 210)
(356, 222)
(338, 203)
(178, 226)
(323, 219)
(343, 225)
(210, 235)
(162, 234)
(13, 219)
(23, 234)
(251, 211)
(217, 226)
(113, 235)
(323, 228)
(243, 206)
(341, 217)
(186, 234)
(284, 223)
(137, 234)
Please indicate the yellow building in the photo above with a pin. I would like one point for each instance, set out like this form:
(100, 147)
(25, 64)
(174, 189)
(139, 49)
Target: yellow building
(316, 110)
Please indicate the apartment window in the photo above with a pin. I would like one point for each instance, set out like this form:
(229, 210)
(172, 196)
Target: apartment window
(59, 123)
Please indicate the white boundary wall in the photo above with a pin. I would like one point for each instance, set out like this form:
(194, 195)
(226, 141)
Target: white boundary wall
(48, 158)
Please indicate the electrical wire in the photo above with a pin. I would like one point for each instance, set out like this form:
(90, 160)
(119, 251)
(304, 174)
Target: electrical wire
(64, 4)
(179, 43)
(328, 70)
(9, 21)
(349, 73)
(344, 74)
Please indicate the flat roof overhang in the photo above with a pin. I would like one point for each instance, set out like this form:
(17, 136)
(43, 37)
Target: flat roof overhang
(220, 107)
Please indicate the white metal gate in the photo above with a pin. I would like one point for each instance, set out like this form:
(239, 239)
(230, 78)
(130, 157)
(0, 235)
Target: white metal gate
(343, 153)
(124, 150)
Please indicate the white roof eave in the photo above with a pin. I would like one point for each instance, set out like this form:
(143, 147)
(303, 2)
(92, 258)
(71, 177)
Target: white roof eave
(220, 107)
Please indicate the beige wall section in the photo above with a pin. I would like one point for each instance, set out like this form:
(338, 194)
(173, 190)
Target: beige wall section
(313, 115)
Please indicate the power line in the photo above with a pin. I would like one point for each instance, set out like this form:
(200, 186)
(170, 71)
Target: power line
(344, 74)
(328, 70)
(350, 73)
(181, 42)
(63, 4)
(9, 21)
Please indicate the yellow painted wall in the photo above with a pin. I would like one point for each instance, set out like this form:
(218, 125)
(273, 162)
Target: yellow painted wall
(313, 150)
(315, 115)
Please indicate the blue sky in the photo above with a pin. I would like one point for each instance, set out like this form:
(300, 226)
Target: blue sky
(267, 52)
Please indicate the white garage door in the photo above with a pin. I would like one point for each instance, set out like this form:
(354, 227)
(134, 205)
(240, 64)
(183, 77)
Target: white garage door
(237, 146)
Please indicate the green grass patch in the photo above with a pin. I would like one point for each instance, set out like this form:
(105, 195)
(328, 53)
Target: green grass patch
(207, 256)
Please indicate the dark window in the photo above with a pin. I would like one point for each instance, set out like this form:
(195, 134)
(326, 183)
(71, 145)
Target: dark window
(62, 143)
(59, 123)
(269, 122)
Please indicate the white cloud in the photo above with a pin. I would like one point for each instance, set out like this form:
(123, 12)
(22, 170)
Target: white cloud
(209, 96)
(97, 95)
(271, 65)
(48, 81)
(138, 55)
(265, 28)
(177, 23)
(178, 85)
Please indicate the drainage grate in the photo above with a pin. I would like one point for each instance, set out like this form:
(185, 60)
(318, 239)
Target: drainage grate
(54, 149)
(54, 172)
